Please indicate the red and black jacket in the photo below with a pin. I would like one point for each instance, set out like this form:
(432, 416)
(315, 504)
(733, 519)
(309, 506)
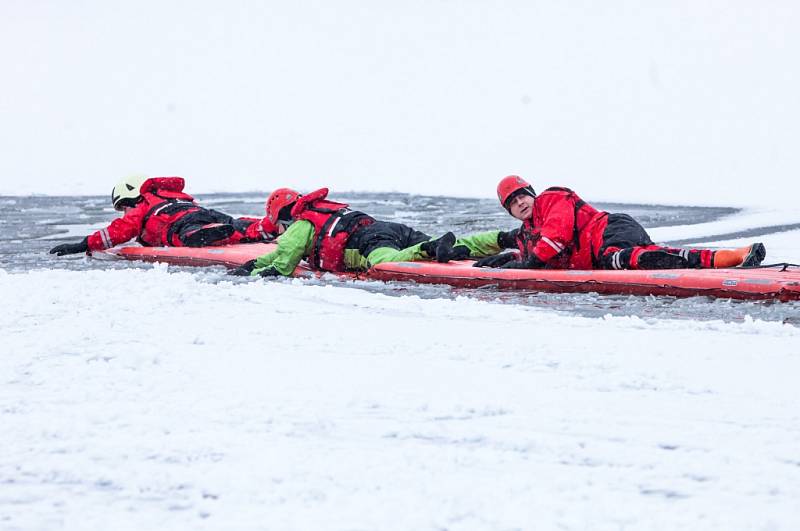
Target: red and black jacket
(163, 203)
(564, 231)
(334, 223)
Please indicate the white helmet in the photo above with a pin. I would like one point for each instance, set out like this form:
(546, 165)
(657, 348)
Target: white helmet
(126, 192)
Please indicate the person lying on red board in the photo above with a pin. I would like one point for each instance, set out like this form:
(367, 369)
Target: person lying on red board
(561, 231)
(157, 212)
(331, 237)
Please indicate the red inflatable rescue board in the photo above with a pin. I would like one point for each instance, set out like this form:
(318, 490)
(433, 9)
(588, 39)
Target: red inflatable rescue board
(777, 283)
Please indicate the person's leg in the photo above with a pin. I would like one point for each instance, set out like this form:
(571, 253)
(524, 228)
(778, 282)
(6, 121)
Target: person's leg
(749, 256)
(203, 227)
(443, 249)
(626, 245)
(249, 230)
(245, 230)
(624, 242)
(385, 241)
(655, 257)
(388, 254)
(477, 245)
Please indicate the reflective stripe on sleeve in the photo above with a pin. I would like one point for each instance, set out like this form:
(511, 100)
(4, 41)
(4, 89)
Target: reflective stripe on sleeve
(554, 245)
(107, 244)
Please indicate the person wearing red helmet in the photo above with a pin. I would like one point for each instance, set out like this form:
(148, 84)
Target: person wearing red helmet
(157, 212)
(562, 231)
(331, 237)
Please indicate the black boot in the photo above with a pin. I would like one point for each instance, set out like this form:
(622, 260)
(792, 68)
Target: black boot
(756, 255)
(446, 250)
(432, 246)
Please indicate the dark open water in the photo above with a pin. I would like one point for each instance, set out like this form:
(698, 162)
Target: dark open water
(30, 226)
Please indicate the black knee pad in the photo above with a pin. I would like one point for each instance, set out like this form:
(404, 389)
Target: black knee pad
(661, 260)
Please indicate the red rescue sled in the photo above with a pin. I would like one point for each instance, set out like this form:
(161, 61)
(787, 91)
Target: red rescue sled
(777, 283)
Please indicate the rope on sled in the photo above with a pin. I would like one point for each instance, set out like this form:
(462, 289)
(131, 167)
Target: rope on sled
(783, 265)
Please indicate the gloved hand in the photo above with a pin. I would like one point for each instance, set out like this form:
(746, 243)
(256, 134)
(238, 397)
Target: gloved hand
(71, 248)
(529, 263)
(496, 260)
(447, 250)
(269, 272)
(507, 240)
(244, 270)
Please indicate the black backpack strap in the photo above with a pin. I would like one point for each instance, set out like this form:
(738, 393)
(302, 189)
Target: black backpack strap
(329, 223)
(342, 220)
(575, 232)
(169, 206)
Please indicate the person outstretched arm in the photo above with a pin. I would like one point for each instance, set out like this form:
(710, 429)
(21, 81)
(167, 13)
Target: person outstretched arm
(480, 245)
(118, 231)
(293, 245)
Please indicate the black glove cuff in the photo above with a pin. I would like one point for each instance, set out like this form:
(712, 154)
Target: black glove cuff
(244, 270)
(495, 261)
(531, 262)
(270, 272)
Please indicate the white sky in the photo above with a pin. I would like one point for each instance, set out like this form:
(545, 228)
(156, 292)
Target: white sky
(684, 102)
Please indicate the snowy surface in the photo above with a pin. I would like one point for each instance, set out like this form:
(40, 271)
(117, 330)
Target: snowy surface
(150, 398)
(748, 218)
(153, 398)
(145, 399)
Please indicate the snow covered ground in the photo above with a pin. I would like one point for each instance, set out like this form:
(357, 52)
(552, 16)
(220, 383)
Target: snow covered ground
(144, 398)
(156, 398)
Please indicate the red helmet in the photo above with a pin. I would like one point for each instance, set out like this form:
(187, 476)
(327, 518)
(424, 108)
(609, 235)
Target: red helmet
(276, 201)
(508, 186)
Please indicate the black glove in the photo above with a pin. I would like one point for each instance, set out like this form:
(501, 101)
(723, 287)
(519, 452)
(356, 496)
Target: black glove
(507, 240)
(244, 270)
(496, 260)
(446, 251)
(529, 263)
(71, 248)
(269, 272)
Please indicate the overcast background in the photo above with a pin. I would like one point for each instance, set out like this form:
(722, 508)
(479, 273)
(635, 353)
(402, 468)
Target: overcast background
(682, 102)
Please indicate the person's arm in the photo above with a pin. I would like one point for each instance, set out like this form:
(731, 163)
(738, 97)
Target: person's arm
(293, 245)
(489, 248)
(531, 262)
(556, 232)
(120, 230)
(70, 248)
(488, 243)
(480, 245)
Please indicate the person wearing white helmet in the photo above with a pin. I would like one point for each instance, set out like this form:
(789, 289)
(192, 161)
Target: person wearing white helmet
(157, 212)
(562, 231)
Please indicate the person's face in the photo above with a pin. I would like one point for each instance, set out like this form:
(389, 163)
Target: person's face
(521, 206)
